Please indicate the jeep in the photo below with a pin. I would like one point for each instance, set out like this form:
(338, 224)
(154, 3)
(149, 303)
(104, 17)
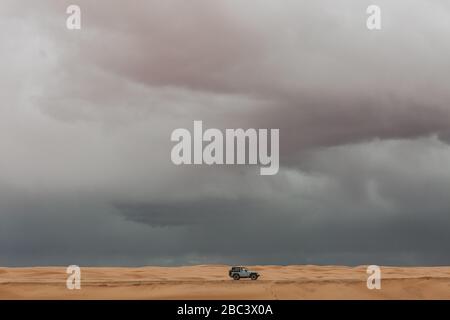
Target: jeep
(241, 272)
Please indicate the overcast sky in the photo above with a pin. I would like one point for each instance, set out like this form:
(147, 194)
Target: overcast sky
(86, 117)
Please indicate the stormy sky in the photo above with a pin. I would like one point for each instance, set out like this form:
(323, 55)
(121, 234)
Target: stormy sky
(86, 117)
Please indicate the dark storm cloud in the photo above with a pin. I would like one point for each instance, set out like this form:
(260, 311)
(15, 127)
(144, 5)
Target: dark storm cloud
(314, 65)
(203, 212)
(373, 206)
(86, 117)
(309, 66)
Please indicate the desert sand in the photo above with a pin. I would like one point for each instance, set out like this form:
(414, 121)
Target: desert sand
(212, 282)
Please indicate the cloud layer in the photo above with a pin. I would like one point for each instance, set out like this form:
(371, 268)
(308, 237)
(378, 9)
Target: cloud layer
(86, 117)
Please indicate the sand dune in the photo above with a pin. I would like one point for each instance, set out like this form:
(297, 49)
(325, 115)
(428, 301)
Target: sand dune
(212, 282)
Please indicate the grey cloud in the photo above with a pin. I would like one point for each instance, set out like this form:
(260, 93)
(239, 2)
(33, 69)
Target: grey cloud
(307, 66)
(85, 121)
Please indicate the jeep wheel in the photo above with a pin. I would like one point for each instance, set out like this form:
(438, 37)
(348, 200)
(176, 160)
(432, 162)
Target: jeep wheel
(236, 276)
(253, 276)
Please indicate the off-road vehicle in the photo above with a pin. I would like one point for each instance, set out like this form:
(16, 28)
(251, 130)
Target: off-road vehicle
(241, 272)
